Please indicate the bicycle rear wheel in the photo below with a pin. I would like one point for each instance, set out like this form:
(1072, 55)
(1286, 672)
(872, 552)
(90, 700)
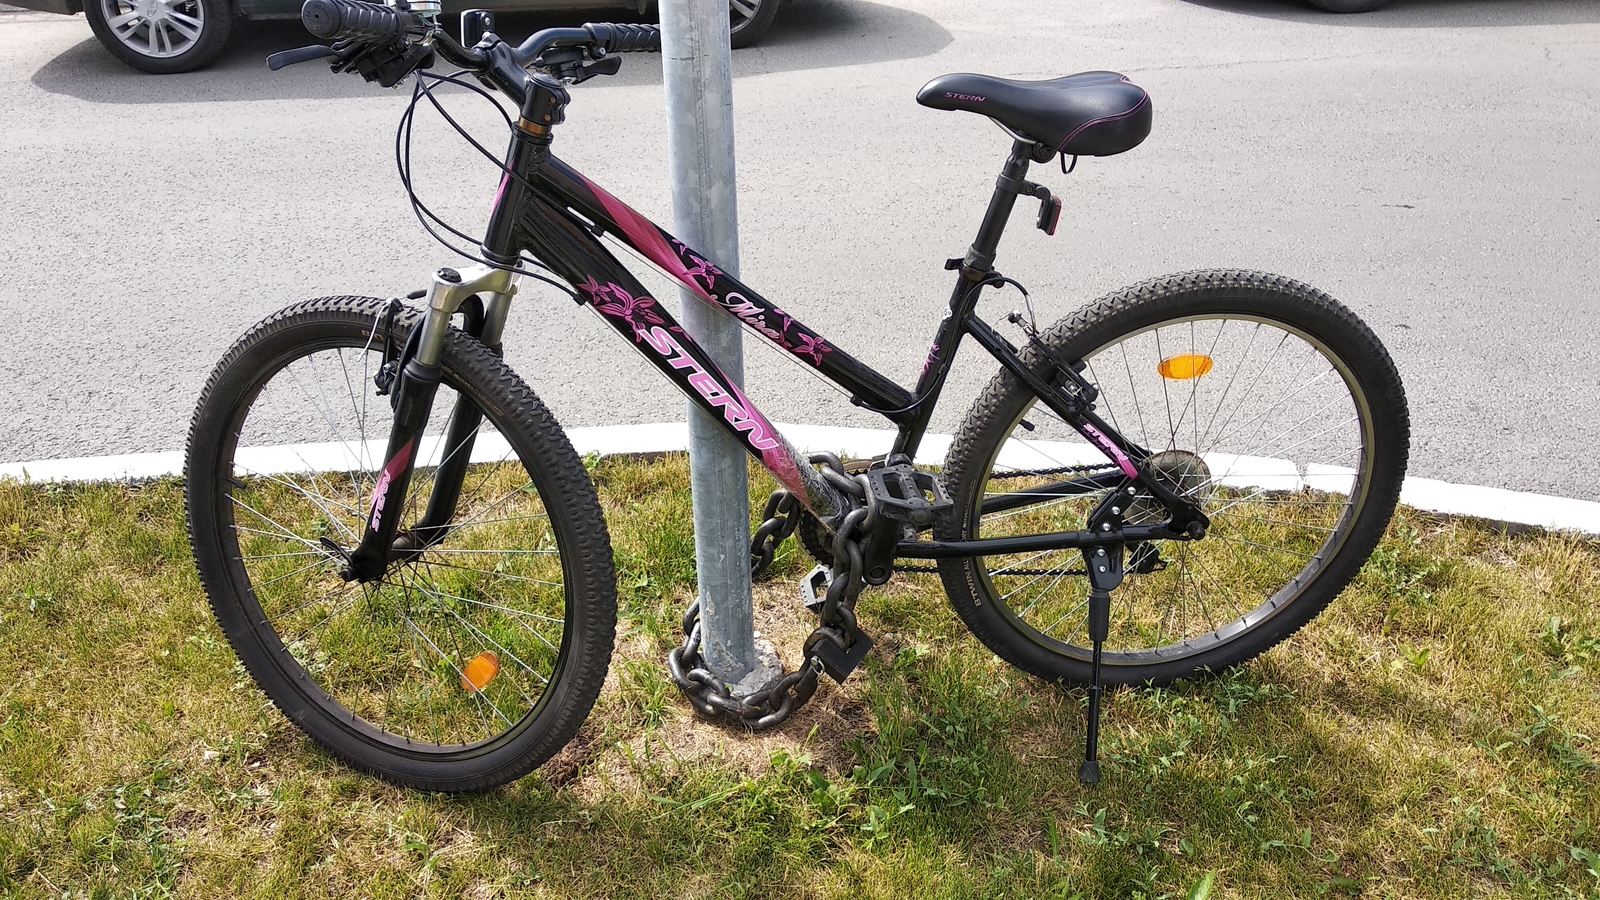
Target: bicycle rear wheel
(1264, 399)
(482, 649)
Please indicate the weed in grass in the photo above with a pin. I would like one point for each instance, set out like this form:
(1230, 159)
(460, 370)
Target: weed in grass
(646, 693)
(1406, 567)
(1561, 641)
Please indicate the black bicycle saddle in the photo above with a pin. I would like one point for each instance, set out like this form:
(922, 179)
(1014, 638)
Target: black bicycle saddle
(1088, 114)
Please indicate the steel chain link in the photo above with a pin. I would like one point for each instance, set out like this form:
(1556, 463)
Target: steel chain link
(707, 692)
(781, 519)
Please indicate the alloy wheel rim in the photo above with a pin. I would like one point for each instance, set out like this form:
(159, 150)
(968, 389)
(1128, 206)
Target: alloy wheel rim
(740, 12)
(158, 29)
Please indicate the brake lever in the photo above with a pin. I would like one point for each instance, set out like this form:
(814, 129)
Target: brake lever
(609, 65)
(298, 55)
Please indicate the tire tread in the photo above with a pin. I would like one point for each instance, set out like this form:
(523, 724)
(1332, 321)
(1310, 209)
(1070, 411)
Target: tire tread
(1142, 303)
(588, 544)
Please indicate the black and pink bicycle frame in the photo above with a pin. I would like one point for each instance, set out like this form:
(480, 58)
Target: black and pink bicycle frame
(556, 214)
(558, 223)
(546, 208)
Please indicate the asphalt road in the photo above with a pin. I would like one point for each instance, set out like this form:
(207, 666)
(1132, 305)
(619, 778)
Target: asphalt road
(1434, 165)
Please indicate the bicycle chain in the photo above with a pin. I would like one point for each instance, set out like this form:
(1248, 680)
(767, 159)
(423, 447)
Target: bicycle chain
(1044, 573)
(1059, 470)
(1026, 473)
(771, 706)
(710, 695)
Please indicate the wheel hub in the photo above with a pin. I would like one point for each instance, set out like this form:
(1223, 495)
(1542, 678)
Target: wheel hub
(1184, 473)
(407, 546)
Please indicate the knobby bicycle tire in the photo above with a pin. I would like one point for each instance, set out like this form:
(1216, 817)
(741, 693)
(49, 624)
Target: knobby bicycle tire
(1264, 398)
(475, 658)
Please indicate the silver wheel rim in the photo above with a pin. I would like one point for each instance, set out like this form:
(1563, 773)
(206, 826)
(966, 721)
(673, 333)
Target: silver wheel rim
(392, 657)
(157, 29)
(1072, 640)
(741, 12)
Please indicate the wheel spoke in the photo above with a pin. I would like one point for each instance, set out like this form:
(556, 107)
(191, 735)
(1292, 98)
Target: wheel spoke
(348, 599)
(188, 26)
(441, 551)
(1263, 446)
(1279, 522)
(260, 556)
(476, 695)
(1282, 399)
(498, 607)
(306, 568)
(492, 574)
(287, 452)
(485, 637)
(282, 532)
(320, 501)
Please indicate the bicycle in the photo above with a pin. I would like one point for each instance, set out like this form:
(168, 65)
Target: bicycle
(409, 557)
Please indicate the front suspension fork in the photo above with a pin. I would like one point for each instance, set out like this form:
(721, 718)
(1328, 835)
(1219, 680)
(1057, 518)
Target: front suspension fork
(416, 386)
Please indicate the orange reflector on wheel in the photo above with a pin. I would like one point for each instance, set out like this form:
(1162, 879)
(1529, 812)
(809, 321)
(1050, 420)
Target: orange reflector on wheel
(1182, 368)
(479, 671)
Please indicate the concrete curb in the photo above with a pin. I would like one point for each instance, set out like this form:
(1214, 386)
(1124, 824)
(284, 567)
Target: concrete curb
(1496, 505)
(17, 13)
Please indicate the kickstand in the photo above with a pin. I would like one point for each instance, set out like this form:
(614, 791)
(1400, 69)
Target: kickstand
(1099, 628)
(1104, 563)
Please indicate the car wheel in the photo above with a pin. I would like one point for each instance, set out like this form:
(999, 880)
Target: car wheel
(161, 36)
(1349, 6)
(748, 20)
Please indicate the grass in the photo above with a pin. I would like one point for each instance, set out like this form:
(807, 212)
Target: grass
(1428, 736)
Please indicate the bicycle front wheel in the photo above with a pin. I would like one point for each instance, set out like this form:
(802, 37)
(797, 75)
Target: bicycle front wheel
(484, 645)
(1261, 398)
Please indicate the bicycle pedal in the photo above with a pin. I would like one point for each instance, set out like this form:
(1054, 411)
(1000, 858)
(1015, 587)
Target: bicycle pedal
(908, 494)
(838, 662)
(814, 588)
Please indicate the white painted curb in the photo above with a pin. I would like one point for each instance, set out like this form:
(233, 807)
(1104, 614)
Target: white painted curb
(1493, 504)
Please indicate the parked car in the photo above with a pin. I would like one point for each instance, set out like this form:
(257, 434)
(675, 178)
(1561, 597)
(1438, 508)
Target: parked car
(1349, 6)
(165, 36)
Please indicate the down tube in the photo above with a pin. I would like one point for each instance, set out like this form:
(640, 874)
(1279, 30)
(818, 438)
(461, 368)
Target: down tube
(658, 336)
(717, 287)
(619, 298)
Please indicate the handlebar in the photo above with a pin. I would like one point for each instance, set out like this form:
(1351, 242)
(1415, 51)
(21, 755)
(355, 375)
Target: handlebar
(353, 20)
(374, 23)
(615, 38)
(384, 44)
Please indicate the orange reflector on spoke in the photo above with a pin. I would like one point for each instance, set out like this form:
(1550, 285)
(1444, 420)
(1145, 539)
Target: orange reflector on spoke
(1182, 368)
(479, 671)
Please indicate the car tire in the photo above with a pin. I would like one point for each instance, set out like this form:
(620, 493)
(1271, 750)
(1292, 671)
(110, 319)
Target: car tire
(748, 20)
(1349, 6)
(161, 36)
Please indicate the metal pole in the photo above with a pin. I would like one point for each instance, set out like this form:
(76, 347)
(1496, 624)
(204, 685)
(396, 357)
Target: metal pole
(698, 73)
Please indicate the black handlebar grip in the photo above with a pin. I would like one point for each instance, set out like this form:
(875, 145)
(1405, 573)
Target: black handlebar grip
(368, 23)
(615, 38)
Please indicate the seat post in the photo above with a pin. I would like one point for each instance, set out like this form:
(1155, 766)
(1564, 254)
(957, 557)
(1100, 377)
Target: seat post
(980, 257)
